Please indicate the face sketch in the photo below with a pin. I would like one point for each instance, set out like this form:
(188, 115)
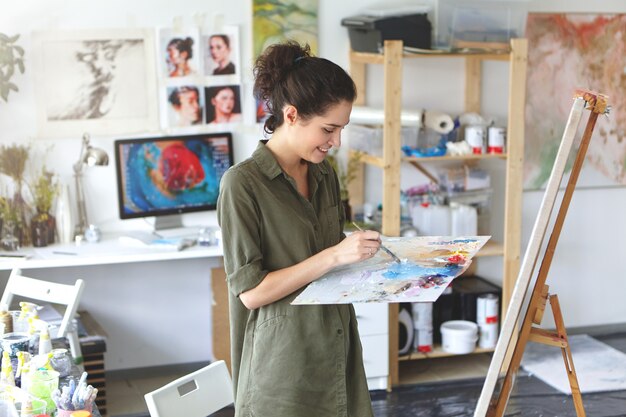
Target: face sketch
(224, 101)
(175, 56)
(219, 51)
(96, 98)
(99, 57)
(189, 108)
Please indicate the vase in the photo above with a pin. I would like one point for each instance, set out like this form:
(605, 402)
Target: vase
(9, 242)
(39, 230)
(21, 226)
(52, 229)
(63, 214)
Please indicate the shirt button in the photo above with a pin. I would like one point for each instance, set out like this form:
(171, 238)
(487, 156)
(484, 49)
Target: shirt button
(339, 331)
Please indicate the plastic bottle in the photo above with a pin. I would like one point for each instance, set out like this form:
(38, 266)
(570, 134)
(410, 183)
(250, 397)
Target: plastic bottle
(6, 372)
(45, 345)
(464, 220)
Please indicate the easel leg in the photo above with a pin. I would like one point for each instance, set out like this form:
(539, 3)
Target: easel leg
(567, 357)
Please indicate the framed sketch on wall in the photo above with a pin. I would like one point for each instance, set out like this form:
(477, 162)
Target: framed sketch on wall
(97, 81)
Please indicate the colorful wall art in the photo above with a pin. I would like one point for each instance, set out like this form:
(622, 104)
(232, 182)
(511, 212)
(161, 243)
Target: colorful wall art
(429, 264)
(279, 20)
(567, 52)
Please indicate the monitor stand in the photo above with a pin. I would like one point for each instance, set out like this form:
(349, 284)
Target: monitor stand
(172, 227)
(162, 223)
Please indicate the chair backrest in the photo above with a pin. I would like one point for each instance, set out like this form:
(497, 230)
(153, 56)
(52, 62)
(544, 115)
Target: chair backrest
(50, 292)
(197, 394)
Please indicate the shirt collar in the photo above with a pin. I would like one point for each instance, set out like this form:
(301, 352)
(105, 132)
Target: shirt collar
(270, 167)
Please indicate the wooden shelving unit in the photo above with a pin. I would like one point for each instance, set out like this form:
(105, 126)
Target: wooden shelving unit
(392, 59)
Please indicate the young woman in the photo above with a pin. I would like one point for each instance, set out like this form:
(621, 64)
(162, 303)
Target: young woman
(219, 47)
(225, 105)
(185, 101)
(179, 52)
(282, 221)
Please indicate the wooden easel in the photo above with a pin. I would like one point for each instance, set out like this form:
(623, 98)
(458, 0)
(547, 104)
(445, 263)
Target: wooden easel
(556, 338)
(597, 103)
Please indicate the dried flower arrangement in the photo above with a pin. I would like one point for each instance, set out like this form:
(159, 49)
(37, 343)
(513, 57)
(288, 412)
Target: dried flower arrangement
(16, 210)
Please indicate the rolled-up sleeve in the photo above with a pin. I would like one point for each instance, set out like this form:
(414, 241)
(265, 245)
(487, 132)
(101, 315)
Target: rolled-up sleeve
(238, 215)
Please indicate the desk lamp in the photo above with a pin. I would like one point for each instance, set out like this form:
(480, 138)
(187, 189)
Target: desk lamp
(89, 156)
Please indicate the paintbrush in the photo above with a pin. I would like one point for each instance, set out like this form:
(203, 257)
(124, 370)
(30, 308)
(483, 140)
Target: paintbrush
(383, 247)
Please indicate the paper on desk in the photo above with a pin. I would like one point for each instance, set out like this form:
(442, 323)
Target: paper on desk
(150, 240)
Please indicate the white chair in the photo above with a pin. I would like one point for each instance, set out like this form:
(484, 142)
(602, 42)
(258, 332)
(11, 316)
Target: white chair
(197, 394)
(50, 292)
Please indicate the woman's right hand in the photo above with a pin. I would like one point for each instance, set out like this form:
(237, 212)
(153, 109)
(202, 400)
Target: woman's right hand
(356, 247)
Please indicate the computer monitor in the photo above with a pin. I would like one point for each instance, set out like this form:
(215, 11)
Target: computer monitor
(167, 176)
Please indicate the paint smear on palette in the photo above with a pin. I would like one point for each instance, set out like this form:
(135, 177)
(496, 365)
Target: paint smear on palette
(410, 270)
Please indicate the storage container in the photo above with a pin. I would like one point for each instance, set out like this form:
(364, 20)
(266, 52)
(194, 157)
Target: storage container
(369, 139)
(368, 32)
(459, 336)
(483, 24)
(481, 201)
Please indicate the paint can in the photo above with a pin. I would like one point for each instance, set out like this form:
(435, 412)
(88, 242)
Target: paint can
(475, 138)
(487, 309)
(15, 342)
(459, 336)
(423, 325)
(487, 312)
(496, 139)
(488, 336)
(424, 340)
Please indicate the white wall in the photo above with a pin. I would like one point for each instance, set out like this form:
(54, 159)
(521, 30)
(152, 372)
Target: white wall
(438, 82)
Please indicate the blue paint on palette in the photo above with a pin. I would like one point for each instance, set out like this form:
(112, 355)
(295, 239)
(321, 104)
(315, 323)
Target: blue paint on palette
(453, 242)
(406, 270)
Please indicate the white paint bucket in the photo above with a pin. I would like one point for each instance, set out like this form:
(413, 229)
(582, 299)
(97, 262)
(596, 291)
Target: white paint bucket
(459, 336)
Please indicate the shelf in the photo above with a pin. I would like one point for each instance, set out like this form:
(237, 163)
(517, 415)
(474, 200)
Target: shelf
(378, 161)
(470, 157)
(438, 352)
(392, 158)
(374, 58)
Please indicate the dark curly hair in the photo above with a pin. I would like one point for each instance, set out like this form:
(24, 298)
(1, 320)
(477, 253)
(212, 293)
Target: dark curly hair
(287, 73)
(183, 45)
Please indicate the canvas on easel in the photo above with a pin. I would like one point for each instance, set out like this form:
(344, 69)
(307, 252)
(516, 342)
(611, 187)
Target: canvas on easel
(597, 103)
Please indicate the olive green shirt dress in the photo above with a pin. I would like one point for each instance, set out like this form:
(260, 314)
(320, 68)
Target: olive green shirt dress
(287, 360)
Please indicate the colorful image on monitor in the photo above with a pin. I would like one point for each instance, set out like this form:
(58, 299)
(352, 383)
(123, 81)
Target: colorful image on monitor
(168, 175)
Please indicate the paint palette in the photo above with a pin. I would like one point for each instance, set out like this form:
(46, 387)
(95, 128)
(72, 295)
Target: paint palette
(429, 264)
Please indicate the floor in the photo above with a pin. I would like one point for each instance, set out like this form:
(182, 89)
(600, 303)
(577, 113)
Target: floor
(444, 387)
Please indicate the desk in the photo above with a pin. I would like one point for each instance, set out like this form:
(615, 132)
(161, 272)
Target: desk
(144, 303)
(107, 251)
